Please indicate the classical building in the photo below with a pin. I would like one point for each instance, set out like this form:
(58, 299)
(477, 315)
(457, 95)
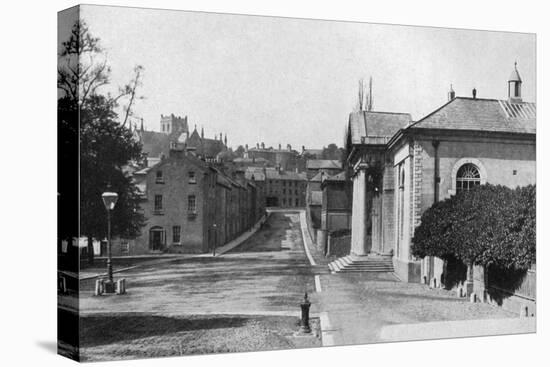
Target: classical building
(400, 168)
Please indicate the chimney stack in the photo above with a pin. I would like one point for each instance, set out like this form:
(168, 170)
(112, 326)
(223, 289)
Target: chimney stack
(451, 93)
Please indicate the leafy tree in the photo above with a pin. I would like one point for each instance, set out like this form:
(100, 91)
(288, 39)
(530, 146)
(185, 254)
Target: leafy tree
(106, 144)
(239, 152)
(332, 152)
(489, 225)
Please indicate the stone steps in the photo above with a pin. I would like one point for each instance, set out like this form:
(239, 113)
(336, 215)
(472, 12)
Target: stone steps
(359, 264)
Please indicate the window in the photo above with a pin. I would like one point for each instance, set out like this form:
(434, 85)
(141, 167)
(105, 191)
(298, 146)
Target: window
(467, 177)
(192, 177)
(176, 230)
(284, 191)
(297, 202)
(192, 204)
(296, 192)
(124, 247)
(158, 203)
(284, 201)
(159, 177)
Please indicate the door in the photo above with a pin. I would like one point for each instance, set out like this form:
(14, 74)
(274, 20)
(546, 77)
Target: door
(156, 239)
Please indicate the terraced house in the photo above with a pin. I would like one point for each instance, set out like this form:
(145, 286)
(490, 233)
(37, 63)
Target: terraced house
(192, 206)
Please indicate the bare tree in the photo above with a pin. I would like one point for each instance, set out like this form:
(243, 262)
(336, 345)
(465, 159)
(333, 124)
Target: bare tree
(84, 69)
(365, 98)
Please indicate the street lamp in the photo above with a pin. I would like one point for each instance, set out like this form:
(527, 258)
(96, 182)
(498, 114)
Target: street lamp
(109, 199)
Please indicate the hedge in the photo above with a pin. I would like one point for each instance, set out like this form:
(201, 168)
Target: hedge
(488, 225)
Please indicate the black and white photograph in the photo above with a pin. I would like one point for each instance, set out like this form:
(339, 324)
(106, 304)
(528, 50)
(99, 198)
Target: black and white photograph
(277, 182)
(237, 183)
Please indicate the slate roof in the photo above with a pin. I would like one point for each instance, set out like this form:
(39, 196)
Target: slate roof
(323, 163)
(318, 177)
(258, 175)
(315, 152)
(203, 146)
(250, 160)
(155, 143)
(340, 177)
(490, 115)
(285, 175)
(376, 127)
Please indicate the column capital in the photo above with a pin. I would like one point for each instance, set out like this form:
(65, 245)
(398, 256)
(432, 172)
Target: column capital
(360, 165)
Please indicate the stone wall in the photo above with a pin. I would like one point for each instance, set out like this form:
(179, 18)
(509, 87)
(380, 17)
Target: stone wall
(339, 246)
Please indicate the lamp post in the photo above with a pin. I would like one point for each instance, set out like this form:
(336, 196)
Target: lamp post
(109, 199)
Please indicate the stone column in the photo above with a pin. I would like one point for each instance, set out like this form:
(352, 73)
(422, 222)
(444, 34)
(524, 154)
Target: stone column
(358, 225)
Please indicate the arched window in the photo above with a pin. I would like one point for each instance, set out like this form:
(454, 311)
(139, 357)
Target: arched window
(467, 177)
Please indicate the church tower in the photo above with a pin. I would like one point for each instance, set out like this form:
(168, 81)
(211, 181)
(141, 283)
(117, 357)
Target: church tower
(514, 86)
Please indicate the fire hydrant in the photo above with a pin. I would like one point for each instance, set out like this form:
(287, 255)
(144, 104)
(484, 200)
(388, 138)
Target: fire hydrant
(304, 323)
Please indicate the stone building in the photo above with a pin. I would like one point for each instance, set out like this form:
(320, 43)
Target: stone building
(156, 144)
(328, 166)
(205, 148)
(400, 168)
(191, 206)
(287, 159)
(285, 189)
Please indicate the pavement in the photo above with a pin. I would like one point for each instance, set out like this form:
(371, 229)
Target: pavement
(359, 308)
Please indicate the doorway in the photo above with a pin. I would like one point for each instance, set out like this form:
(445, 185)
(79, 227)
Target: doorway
(156, 239)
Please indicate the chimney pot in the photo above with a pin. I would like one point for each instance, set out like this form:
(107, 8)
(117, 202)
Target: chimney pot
(474, 93)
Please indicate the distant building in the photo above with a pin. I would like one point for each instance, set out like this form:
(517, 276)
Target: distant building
(157, 144)
(336, 203)
(287, 159)
(285, 189)
(329, 167)
(314, 201)
(205, 148)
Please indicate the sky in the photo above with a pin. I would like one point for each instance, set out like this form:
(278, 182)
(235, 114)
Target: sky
(295, 81)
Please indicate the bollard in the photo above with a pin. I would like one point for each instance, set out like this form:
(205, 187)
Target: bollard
(304, 323)
(121, 286)
(473, 298)
(62, 285)
(98, 287)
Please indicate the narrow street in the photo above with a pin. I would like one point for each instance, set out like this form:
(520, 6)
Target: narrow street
(267, 274)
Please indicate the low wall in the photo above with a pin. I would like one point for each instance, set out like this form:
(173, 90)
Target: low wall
(513, 291)
(339, 246)
(407, 270)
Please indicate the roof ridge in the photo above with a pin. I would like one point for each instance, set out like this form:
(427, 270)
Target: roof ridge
(388, 113)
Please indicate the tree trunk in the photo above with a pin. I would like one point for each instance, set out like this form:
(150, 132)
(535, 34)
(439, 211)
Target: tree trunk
(90, 250)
